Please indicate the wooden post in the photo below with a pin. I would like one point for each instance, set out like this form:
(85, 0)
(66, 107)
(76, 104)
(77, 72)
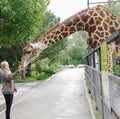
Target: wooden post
(111, 5)
(87, 3)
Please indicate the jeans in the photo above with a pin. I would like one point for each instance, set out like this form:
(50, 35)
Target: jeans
(8, 101)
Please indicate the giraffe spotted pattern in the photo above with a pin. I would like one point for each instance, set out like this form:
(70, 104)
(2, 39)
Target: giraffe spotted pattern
(98, 21)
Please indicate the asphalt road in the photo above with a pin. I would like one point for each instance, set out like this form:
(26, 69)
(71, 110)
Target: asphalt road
(60, 97)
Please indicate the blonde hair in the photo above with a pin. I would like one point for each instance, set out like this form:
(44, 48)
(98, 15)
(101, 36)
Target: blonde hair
(5, 67)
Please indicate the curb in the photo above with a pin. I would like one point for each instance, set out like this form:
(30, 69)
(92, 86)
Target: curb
(89, 102)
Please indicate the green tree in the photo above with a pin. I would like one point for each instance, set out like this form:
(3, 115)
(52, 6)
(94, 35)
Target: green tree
(49, 21)
(20, 19)
(116, 10)
(52, 52)
(77, 47)
(73, 52)
(12, 55)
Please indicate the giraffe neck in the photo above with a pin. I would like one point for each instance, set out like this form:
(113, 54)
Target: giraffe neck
(98, 21)
(64, 29)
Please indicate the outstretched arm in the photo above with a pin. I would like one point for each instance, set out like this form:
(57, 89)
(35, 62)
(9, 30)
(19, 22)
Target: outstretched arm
(12, 76)
(9, 77)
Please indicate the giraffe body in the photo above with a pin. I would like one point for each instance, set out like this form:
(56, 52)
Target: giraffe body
(98, 21)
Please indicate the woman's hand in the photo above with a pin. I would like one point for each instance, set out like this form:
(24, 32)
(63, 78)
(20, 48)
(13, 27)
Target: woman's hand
(15, 90)
(20, 68)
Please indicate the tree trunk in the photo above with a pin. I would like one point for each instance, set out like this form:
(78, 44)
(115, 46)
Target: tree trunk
(23, 74)
(28, 71)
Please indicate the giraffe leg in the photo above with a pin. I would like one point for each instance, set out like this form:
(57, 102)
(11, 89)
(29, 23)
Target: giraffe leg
(110, 58)
(117, 48)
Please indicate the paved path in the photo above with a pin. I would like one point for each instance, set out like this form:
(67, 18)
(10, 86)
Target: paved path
(22, 90)
(60, 97)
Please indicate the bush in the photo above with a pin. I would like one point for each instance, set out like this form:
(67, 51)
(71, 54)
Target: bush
(42, 73)
(48, 70)
(42, 76)
(117, 70)
(38, 67)
(27, 79)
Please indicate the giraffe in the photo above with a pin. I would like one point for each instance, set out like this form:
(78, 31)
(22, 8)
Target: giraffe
(98, 21)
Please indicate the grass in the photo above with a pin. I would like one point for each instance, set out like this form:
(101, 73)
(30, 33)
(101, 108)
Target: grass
(27, 79)
(96, 112)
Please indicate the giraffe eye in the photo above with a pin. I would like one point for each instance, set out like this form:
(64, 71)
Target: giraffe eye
(28, 52)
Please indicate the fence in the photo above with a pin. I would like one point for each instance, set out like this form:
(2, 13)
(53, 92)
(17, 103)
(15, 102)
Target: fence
(104, 88)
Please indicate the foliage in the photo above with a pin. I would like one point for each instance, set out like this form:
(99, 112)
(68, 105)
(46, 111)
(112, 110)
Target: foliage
(115, 7)
(39, 67)
(48, 70)
(12, 55)
(42, 76)
(49, 21)
(27, 79)
(116, 66)
(76, 55)
(116, 11)
(20, 19)
(53, 50)
(117, 70)
(74, 52)
(79, 48)
(44, 72)
(62, 58)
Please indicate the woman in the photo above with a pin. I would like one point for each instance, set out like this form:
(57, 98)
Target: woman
(8, 85)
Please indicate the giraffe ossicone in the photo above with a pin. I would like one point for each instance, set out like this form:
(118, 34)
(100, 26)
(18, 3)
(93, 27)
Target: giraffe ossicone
(98, 21)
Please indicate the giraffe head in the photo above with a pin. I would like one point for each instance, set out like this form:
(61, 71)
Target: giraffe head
(30, 52)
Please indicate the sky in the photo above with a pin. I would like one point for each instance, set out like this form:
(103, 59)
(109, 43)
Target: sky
(66, 8)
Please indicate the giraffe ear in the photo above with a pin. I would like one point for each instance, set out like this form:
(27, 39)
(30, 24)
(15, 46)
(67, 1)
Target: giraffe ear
(29, 42)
